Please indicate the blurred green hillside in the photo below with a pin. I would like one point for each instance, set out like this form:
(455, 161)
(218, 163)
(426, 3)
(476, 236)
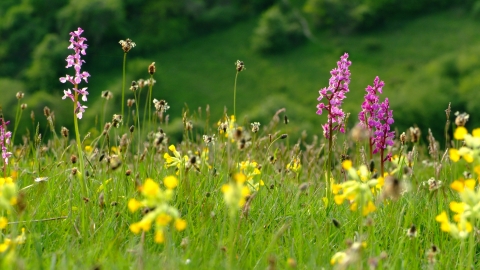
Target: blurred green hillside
(427, 52)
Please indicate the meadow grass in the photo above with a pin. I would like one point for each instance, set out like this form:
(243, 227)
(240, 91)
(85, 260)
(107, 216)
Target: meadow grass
(290, 221)
(251, 200)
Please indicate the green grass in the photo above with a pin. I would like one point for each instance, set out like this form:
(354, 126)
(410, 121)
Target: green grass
(282, 224)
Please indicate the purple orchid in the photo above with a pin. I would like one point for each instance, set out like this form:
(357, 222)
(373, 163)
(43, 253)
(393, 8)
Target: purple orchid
(370, 107)
(334, 95)
(383, 137)
(5, 140)
(77, 43)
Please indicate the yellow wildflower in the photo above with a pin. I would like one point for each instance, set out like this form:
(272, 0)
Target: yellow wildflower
(170, 182)
(135, 228)
(180, 224)
(369, 208)
(150, 188)
(134, 205)
(338, 258)
(163, 219)
(347, 164)
(457, 207)
(460, 133)
(159, 236)
(3, 222)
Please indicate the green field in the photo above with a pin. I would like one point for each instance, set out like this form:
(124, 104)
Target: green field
(116, 198)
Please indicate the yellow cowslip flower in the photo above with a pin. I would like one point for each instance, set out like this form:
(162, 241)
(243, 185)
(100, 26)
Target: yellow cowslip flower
(336, 188)
(294, 165)
(176, 160)
(347, 164)
(369, 208)
(453, 153)
(244, 192)
(338, 258)
(339, 199)
(240, 178)
(235, 194)
(180, 224)
(6, 180)
(442, 217)
(460, 184)
(145, 224)
(457, 207)
(460, 133)
(159, 236)
(134, 205)
(88, 149)
(135, 228)
(3, 222)
(465, 227)
(476, 133)
(150, 188)
(445, 227)
(464, 152)
(170, 182)
(163, 219)
(115, 150)
(476, 169)
(5, 245)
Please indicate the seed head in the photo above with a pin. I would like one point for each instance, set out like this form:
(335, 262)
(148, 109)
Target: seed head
(392, 188)
(303, 187)
(160, 105)
(107, 95)
(461, 119)
(117, 119)
(20, 95)
(403, 138)
(415, 134)
(141, 83)
(255, 127)
(64, 132)
(209, 139)
(240, 66)
(46, 111)
(336, 223)
(412, 231)
(151, 68)
(23, 106)
(130, 102)
(134, 86)
(73, 159)
(127, 45)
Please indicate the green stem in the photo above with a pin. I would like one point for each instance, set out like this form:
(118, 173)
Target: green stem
(471, 247)
(149, 100)
(17, 116)
(123, 83)
(81, 170)
(235, 97)
(137, 101)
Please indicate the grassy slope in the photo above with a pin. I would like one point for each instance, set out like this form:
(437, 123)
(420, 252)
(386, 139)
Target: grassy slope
(300, 230)
(202, 71)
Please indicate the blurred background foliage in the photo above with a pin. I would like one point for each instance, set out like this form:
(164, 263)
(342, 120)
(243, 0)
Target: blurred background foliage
(426, 51)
